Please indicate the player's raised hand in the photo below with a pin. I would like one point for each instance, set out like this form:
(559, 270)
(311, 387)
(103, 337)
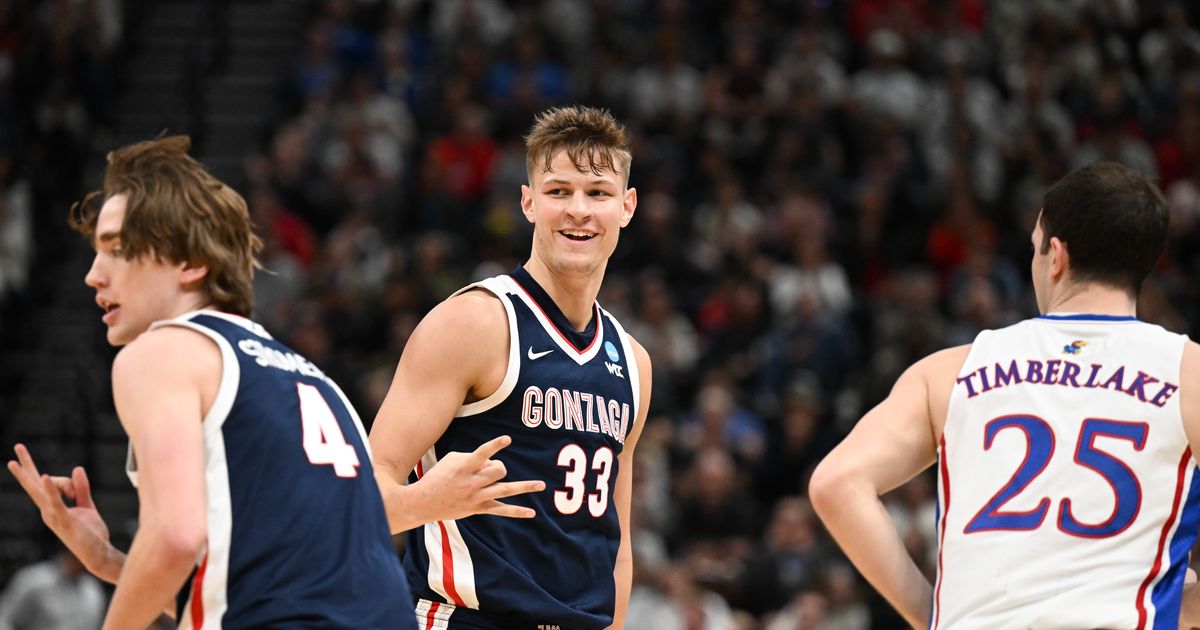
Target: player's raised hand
(465, 484)
(81, 528)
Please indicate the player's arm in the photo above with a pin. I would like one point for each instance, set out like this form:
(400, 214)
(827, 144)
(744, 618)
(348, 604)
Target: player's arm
(454, 355)
(890, 445)
(623, 491)
(1189, 409)
(158, 382)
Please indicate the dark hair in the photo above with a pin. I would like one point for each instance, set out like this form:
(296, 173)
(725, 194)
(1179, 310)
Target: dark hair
(1113, 220)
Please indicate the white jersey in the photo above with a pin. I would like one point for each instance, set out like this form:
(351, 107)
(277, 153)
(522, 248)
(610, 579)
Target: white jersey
(1067, 493)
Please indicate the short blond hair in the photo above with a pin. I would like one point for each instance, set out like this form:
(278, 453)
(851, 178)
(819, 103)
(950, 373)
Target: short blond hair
(176, 210)
(592, 138)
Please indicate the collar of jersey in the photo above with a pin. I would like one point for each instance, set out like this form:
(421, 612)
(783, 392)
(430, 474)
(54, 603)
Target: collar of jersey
(546, 313)
(1086, 317)
(238, 320)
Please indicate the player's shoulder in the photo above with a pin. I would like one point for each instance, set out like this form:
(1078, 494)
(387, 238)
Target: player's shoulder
(165, 354)
(1191, 360)
(473, 309)
(944, 362)
(464, 327)
(640, 354)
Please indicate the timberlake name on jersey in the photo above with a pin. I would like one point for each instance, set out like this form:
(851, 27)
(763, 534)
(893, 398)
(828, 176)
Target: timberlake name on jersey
(1136, 384)
(576, 411)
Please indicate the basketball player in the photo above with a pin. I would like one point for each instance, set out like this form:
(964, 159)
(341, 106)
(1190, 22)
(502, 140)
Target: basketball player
(1068, 494)
(258, 503)
(532, 355)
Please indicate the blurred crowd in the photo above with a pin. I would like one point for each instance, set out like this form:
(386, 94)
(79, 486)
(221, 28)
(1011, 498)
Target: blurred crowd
(57, 88)
(828, 191)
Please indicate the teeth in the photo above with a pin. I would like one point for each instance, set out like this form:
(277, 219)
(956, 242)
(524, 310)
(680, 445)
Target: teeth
(577, 233)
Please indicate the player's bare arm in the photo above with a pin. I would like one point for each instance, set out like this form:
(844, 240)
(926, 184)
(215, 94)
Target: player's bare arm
(892, 443)
(162, 383)
(623, 491)
(1189, 407)
(458, 354)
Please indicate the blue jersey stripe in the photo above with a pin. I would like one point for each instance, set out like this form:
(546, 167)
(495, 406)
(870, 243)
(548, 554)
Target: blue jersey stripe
(1086, 317)
(1167, 594)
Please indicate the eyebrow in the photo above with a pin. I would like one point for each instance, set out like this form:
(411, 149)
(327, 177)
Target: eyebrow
(592, 182)
(108, 236)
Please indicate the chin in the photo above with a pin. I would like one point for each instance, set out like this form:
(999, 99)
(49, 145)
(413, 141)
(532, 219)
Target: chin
(118, 337)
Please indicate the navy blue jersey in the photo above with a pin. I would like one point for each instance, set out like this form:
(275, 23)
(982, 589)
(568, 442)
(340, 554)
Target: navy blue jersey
(568, 410)
(297, 535)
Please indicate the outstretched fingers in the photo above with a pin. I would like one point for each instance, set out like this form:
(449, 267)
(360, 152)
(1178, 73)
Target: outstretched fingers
(514, 488)
(490, 448)
(26, 473)
(496, 508)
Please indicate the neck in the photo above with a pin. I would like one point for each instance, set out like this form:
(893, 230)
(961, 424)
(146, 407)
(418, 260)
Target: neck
(574, 295)
(188, 303)
(1093, 299)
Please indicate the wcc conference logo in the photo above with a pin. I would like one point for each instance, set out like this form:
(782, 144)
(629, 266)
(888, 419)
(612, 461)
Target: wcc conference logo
(613, 356)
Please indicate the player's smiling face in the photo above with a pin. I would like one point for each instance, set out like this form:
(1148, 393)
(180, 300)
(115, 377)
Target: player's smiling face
(577, 216)
(133, 293)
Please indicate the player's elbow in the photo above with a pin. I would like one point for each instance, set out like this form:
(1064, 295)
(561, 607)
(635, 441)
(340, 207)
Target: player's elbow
(181, 542)
(828, 486)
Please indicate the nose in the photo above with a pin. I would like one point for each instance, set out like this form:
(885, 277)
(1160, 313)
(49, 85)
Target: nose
(95, 277)
(579, 208)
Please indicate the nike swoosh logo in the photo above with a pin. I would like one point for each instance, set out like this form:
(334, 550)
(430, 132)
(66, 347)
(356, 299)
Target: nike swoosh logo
(534, 356)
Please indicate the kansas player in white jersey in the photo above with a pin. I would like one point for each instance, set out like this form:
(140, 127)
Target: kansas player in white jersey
(1065, 445)
(532, 358)
(258, 505)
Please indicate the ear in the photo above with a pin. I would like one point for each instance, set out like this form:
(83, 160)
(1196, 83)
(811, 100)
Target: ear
(190, 274)
(1060, 258)
(527, 202)
(629, 205)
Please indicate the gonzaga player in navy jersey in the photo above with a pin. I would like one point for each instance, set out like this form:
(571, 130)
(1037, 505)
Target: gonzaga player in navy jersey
(1068, 494)
(258, 506)
(530, 357)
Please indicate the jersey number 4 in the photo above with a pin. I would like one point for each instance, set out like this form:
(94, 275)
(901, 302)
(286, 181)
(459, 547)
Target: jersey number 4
(1039, 438)
(575, 460)
(324, 442)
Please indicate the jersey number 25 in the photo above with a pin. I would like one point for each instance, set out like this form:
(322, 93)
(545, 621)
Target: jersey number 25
(1127, 490)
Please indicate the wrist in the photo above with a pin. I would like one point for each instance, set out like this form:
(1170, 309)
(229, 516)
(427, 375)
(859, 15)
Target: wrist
(402, 506)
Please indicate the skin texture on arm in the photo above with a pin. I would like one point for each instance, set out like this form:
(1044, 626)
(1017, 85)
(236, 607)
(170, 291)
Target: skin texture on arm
(162, 382)
(1189, 407)
(892, 443)
(458, 354)
(623, 493)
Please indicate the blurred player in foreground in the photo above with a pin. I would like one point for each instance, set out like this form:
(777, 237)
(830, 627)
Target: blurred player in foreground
(258, 503)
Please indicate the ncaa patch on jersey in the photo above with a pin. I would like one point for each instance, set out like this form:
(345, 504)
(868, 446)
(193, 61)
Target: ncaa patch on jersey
(612, 351)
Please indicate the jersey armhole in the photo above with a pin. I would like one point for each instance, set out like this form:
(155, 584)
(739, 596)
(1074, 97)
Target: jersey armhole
(514, 356)
(226, 390)
(231, 373)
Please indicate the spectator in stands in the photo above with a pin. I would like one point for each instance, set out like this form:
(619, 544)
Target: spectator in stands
(55, 594)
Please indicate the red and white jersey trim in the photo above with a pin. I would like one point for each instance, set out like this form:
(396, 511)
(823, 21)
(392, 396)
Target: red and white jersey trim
(209, 599)
(451, 570)
(433, 615)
